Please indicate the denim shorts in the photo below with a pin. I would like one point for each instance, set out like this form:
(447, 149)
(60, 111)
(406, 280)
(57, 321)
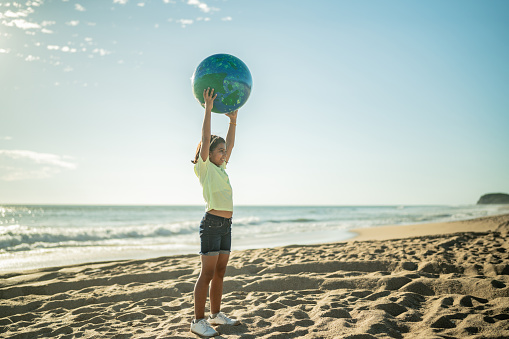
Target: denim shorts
(215, 235)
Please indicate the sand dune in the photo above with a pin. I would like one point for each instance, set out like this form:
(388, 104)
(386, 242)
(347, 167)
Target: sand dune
(434, 286)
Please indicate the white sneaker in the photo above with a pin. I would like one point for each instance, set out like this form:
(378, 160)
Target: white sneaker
(203, 328)
(222, 319)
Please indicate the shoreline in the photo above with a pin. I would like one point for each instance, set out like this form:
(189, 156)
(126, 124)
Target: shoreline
(482, 224)
(317, 238)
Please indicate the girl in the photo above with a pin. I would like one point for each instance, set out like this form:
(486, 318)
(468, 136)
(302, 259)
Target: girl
(212, 155)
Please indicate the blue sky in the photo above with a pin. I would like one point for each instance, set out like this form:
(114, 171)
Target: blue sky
(353, 102)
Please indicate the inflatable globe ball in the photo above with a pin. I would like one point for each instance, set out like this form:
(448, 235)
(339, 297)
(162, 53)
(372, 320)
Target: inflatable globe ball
(228, 76)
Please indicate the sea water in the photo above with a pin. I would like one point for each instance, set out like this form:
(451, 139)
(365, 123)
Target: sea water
(45, 236)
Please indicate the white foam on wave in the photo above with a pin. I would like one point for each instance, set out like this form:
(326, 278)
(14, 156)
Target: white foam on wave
(23, 238)
(246, 221)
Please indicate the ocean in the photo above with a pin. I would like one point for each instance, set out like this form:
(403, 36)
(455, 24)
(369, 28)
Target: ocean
(34, 236)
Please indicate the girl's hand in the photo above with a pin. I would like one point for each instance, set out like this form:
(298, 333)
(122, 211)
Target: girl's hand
(232, 115)
(209, 97)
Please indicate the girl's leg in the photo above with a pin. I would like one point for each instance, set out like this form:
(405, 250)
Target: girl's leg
(208, 266)
(216, 286)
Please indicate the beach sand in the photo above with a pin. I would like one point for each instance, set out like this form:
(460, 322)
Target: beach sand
(428, 281)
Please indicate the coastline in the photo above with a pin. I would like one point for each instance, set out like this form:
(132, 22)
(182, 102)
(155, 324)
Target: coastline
(483, 224)
(397, 283)
(47, 236)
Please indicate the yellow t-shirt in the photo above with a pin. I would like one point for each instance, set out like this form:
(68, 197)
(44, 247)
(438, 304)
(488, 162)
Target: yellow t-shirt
(217, 190)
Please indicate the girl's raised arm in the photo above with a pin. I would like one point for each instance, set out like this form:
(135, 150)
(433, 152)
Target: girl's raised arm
(208, 96)
(230, 136)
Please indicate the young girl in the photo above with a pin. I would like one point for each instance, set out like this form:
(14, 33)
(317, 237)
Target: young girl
(210, 161)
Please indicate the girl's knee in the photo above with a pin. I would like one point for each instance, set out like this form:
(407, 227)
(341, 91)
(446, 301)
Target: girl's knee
(207, 275)
(220, 271)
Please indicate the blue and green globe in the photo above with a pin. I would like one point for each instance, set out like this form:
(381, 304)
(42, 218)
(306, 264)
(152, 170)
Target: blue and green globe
(228, 76)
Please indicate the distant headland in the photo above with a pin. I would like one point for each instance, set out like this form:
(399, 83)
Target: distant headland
(494, 198)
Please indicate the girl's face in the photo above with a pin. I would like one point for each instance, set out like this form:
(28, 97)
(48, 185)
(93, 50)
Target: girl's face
(218, 155)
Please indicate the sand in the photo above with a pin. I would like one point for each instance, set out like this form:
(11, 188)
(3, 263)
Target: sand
(449, 282)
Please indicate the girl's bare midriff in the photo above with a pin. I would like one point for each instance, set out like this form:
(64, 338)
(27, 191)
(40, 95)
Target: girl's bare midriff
(224, 214)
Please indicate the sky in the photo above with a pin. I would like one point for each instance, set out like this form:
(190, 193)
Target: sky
(353, 102)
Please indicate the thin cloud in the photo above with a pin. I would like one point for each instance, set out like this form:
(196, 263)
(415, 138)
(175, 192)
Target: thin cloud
(101, 51)
(79, 8)
(201, 5)
(185, 22)
(22, 24)
(23, 165)
(69, 49)
(32, 58)
(11, 14)
(120, 2)
(65, 49)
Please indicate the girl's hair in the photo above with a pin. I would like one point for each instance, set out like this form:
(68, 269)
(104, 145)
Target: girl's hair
(214, 142)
